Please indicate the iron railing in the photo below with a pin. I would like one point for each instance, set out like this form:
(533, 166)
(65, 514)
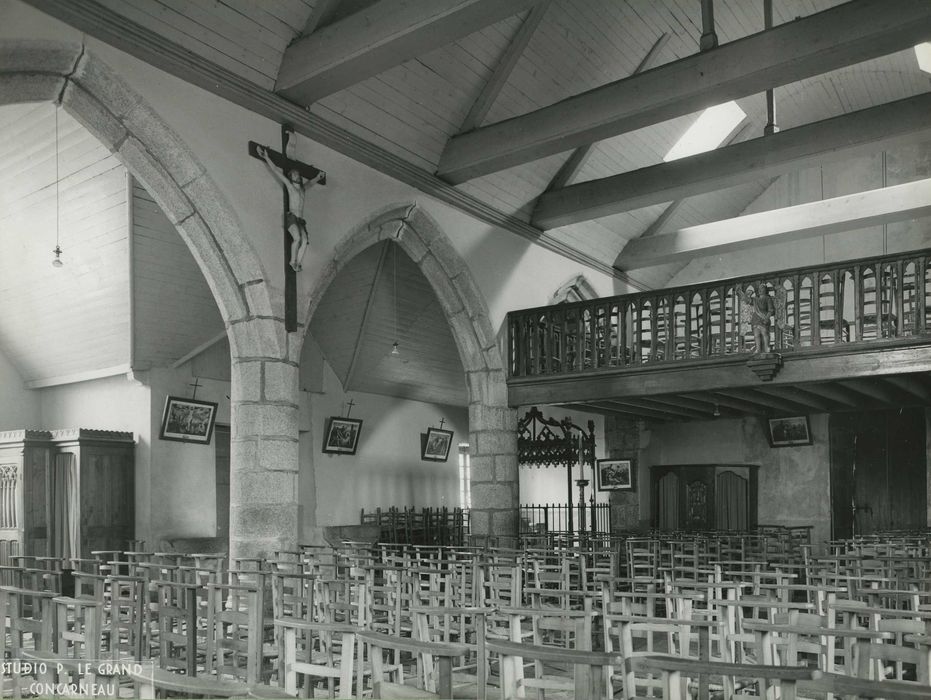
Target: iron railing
(543, 518)
(858, 301)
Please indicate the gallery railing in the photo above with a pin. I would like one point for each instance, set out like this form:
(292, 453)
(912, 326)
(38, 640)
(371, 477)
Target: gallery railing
(859, 301)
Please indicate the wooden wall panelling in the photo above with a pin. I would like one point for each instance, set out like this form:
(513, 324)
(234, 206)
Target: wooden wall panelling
(81, 305)
(106, 478)
(174, 309)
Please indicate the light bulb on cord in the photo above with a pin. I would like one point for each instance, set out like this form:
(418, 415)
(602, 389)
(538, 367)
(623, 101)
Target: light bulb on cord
(57, 261)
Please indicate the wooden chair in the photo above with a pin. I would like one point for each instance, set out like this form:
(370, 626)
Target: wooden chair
(676, 672)
(26, 614)
(587, 667)
(435, 664)
(315, 650)
(176, 615)
(124, 620)
(234, 632)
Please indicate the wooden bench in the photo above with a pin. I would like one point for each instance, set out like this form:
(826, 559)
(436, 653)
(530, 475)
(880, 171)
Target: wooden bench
(677, 671)
(439, 684)
(149, 681)
(588, 667)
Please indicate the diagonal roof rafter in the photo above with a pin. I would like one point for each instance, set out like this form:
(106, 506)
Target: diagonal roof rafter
(850, 33)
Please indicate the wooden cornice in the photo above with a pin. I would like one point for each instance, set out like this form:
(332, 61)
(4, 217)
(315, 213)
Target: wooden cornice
(112, 28)
(850, 33)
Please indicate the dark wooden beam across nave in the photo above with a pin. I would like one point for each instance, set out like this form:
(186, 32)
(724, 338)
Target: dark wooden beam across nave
(828, 380)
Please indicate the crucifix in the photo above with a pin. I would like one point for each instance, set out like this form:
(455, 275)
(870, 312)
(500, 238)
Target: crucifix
(295, 177)
(196, 384)
(349, 410)
(442, 423)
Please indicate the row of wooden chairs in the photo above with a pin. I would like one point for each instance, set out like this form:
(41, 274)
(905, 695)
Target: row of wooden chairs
(426, 526)
(386, 598)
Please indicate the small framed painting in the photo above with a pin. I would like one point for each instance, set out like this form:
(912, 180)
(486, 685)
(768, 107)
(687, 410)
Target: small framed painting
(435, 445)
(616, 474)
(188, 420)
(789, 432)
(342, 435)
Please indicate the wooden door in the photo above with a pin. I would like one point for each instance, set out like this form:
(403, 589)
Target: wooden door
(878, 471)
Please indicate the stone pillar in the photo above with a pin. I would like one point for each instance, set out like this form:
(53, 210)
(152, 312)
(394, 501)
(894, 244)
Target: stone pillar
(493, 437)
(622, 440)
(264, 456)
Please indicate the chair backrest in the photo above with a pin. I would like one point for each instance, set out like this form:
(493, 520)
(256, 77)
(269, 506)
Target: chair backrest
(234, 632)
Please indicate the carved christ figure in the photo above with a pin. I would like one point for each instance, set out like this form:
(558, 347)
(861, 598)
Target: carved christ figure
(297, 225)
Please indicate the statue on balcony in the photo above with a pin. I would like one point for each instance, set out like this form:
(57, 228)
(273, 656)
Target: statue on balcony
(759, 311)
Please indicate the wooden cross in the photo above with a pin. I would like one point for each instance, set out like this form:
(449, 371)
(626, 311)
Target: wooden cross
(442, 423)
(349, 410)
(196, 384)
(309, 173)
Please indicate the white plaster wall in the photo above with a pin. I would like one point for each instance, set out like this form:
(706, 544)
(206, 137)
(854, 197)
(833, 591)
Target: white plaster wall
(182, 476)
(19, 406)
(386, 469)
(794, 482)
(111, 403)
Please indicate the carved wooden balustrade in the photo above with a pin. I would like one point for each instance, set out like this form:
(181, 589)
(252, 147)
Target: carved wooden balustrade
(876, 300)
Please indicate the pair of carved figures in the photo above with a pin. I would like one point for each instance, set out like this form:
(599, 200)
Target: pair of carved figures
(759, 311)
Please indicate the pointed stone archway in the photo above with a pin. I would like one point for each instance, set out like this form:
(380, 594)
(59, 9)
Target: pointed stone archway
(264, 459)
(492, 424)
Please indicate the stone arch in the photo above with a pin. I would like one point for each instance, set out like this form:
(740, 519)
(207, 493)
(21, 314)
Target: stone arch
(492, 424)
(264, 385)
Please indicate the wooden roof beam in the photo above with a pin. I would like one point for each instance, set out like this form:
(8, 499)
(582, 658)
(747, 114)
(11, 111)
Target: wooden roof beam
(735, 402)
(378, 37)
(613, 408)
(796, 395)
(848, 213)
(867, 130)
(849, 33)
(505, 67)
(642, 402)
(908, 384)
(874, 390)
(774, 402)
(834, 392)
(570, 169)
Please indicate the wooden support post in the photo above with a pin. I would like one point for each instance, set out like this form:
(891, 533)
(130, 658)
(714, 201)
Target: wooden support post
(709, 39)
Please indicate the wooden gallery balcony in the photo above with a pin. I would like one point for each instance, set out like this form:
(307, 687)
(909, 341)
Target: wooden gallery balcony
(854, 334)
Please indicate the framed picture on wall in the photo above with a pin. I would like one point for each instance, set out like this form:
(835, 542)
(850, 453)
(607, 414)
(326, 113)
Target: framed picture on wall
(435, 444)
(788, 432)
(342, 435)
(616, 474)
(188, 420)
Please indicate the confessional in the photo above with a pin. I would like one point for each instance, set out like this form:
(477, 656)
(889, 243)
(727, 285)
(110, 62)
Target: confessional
(699, 497)
(65, 493)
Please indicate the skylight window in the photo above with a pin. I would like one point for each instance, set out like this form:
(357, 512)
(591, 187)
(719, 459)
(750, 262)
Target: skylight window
(708, 132)
(923, 54)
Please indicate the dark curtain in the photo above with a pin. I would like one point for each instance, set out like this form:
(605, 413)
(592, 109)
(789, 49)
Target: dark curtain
(63, 525)
(669, 502)
(731, 511)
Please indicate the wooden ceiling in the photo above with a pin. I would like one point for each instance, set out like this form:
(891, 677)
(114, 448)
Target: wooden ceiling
(426, 85)
(860, 394)
(74, 319)
(378, 298)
